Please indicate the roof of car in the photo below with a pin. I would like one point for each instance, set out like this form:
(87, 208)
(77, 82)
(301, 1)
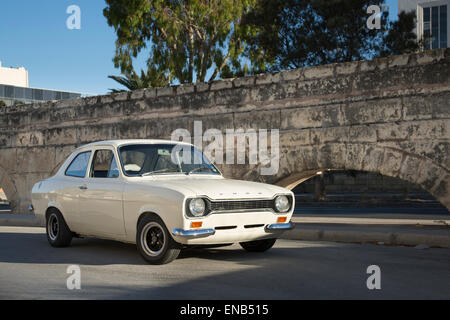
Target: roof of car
(118, 143)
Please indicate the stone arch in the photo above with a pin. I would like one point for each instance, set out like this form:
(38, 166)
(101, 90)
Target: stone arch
(299, 163)
(9, 188)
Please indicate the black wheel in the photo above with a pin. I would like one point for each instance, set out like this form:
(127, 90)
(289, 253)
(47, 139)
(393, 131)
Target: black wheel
(258, 245)
(58, 233)
(154, 242)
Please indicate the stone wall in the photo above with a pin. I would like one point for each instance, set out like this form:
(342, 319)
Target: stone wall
(389, 116)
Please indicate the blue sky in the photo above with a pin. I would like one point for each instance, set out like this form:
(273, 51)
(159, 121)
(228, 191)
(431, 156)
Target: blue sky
(33, 34)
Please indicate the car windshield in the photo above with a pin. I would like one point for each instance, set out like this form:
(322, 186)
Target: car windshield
(159, 159)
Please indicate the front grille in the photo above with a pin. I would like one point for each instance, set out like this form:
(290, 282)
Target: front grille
(213, 206)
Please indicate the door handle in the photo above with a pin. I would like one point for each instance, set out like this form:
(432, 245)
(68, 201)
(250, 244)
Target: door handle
(84, 187)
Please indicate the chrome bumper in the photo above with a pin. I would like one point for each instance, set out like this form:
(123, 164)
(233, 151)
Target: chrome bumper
(193, 233)
(280, 227)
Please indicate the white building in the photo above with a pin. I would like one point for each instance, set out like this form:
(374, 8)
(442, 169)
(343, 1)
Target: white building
(14, 76)
(432, 21)
(14, 88)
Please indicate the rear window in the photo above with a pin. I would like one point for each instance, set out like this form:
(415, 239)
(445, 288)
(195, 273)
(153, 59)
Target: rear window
(78, 166)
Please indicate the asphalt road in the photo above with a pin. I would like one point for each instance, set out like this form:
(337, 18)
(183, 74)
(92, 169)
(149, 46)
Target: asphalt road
(31, 269)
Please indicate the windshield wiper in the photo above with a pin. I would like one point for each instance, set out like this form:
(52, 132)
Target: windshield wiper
(200, 169)
(160, 171)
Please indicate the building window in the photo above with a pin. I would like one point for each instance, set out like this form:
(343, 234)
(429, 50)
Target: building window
(435, 27)
(443, 27)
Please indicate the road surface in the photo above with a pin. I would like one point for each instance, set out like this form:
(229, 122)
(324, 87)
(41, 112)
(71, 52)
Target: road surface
(31, 269)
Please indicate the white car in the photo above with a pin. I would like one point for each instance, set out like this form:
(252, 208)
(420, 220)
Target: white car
(161, 195)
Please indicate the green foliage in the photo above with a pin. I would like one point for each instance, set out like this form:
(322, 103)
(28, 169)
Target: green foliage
(186, 38)
(2, 103)
(299, 33)
(132, 81)
(401, 38)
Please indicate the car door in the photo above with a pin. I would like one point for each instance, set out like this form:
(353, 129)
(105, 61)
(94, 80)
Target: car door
(101, 197)
(69, 189)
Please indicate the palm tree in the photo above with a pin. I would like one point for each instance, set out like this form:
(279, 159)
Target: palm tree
(149, 79)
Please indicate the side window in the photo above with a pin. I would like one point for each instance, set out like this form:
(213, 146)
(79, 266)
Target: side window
(104, 165)
(79, 165)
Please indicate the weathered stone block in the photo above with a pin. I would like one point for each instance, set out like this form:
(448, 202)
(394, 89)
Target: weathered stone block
(392, 161)
(245, 81)
(29, 139)
(233, 97)
(137, 94)
(257, 120)
(319, 72)
(60, 136)
(5, 139)
(332, 156)
(267, 78)
(363, 134)
(410, 169)
(430, 175)
(186, 88)
(311, 117)
(294, 74)
(163, 127)
(373, 159)
(8, 159)
(121, 96)
(91, 133)
(355, 156)
(417, 108)
(35, 160)
(221, 84)
(372, 111)
(326, 135)
(127, 129)
(290, 139)
(398, 61)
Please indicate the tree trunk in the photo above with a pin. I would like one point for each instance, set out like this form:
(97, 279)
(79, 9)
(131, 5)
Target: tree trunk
(319, 188)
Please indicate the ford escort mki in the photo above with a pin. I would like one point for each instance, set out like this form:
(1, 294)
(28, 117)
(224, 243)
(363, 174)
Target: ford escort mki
(161, 195)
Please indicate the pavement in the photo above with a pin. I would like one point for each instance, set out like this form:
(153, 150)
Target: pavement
(431, 230)
(31, 269)
(382, 229)
(428, 230)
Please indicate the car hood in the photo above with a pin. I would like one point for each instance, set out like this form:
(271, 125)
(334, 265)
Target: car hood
(219, 188)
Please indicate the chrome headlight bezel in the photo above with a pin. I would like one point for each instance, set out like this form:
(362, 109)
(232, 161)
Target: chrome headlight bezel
(196, 207)
(282, 203)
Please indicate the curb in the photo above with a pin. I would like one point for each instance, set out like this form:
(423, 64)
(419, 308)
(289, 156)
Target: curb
(312, 233)
(386, 238)
(30, 221)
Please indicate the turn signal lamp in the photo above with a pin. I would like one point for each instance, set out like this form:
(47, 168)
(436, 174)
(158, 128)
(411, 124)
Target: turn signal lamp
(281, 219)
(196, 224)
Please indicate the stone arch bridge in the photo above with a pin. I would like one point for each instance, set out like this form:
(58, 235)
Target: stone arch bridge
(389, 115)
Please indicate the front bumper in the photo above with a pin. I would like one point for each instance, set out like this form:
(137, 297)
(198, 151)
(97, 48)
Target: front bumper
(280, 227)
(195, 233)
(211, 236)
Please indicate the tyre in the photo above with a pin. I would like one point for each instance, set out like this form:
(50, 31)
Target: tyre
(58, 233)
(154, 242)
(258, 245)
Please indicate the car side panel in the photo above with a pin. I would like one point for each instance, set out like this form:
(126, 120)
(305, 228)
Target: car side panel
(166, 203)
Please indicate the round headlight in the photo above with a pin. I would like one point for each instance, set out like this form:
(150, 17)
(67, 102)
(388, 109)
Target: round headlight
(282, 204)
(197, 207)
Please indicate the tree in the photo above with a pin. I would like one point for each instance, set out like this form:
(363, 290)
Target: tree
(299, 33)
(188, 40)
(401, 37)
(2, 103)
(132, 81)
